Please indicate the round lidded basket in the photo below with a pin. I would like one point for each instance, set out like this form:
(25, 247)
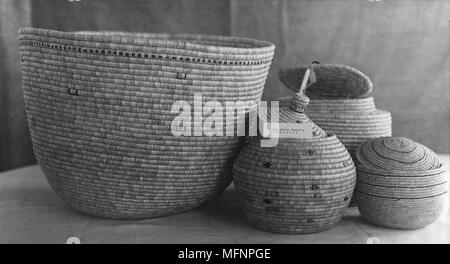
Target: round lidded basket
(401, 184)
(301, 185)
(100, 107)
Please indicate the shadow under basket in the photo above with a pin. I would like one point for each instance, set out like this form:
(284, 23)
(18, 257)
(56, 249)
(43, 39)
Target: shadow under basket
(99, 109)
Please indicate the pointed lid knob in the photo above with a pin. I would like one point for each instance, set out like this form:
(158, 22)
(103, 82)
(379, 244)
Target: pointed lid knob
(295, 112)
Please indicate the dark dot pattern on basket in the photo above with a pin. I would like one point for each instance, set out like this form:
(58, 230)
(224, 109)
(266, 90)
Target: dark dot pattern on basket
(314, 187)
(310, 152)
(345, 198)
(309, 220)
(267, 201)
(267, 164)
(181, 75)
(72, 91)
(141, 54)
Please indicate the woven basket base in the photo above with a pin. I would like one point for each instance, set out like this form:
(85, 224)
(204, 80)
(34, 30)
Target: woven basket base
(298, 187)
(301, 228)
(400, 213)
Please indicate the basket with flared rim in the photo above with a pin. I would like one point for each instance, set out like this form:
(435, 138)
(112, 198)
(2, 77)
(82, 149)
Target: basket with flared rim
(101, 105)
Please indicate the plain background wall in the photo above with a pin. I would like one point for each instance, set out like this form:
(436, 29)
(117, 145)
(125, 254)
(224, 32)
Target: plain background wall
(403, 46)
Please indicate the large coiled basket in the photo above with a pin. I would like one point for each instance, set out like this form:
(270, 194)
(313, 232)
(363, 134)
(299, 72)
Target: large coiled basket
(99, 111)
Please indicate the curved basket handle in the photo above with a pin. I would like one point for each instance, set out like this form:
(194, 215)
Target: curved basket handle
(309, 76)
(300, 101)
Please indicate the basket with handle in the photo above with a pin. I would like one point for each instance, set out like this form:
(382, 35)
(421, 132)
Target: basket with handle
(99, 108)
(301, 185)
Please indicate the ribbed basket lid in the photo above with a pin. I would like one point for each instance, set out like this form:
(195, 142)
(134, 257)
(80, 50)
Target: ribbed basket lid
(396, 154)
(333, 81)
(293, 113)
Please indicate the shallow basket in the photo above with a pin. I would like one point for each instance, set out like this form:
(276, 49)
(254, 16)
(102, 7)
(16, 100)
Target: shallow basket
(401, 184)
(337, 81)
(99, 108)
(298, 186)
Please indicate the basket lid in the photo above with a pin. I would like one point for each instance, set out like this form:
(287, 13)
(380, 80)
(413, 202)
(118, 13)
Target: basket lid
(396, 154)
(293, 113)
(333, 81)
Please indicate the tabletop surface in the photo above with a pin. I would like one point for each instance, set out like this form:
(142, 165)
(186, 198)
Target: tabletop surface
(30, 212)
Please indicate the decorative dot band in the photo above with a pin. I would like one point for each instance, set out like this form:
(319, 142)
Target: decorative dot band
(124, 53)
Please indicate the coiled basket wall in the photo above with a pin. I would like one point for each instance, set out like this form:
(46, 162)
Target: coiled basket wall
(401, 183)
(353, 120)
(99, 111)
(300, 185)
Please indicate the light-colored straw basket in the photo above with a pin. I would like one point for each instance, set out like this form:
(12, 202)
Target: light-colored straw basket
(99, 111)
(302, 185)
(401, 184)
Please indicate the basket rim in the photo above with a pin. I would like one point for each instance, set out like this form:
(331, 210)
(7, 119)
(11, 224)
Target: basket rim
(394, 172)
(329, 137)
(366, 98)
(180, 41)
(368, 83)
